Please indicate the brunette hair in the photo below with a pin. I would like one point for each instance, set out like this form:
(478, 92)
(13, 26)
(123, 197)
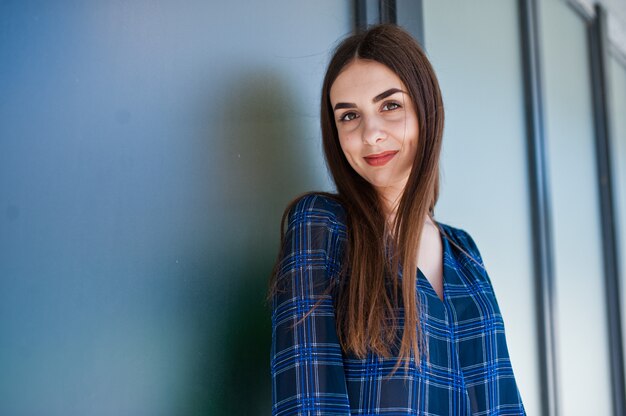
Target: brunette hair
(365, 308)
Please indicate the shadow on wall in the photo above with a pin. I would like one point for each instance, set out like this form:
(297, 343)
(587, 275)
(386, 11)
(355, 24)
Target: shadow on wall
(257, 161)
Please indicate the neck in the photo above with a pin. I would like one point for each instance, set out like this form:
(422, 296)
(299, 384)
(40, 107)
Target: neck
(390, 201)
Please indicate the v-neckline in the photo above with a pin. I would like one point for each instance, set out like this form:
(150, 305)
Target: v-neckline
(444, 248)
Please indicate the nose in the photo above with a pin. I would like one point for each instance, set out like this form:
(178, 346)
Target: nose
(373, 130)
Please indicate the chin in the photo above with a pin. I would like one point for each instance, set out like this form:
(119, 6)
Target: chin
(380, 182)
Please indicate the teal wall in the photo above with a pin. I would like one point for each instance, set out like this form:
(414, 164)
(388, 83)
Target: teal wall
(147, 150)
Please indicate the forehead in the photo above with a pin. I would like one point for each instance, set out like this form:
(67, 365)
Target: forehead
(363, 78)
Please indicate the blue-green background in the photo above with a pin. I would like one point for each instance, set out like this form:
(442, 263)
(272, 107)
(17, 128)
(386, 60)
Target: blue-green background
(147, 150)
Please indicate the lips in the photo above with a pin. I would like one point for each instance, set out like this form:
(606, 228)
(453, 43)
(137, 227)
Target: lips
(380, 158)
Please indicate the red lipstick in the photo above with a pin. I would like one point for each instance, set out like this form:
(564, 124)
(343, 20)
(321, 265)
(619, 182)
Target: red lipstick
(381, 158)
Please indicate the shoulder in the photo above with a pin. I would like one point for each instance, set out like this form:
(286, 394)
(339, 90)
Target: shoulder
(459, 234)
(314, 235)
(317, 207)
(463, 238)
(456, 233)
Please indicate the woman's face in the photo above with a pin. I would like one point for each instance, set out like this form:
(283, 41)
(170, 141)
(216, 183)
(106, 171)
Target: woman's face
(376, 122)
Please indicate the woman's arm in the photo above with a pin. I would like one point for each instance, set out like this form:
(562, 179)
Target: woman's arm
(306, 358)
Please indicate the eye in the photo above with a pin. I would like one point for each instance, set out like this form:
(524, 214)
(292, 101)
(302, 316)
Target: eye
(347, 117)
(391, 106)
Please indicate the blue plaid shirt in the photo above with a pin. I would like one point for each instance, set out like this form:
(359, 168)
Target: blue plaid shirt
(469, 372)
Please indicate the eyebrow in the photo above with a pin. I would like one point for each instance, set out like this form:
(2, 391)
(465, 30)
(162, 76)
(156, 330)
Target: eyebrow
(379, 97)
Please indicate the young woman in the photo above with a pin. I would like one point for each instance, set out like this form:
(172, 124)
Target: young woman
(376, 307)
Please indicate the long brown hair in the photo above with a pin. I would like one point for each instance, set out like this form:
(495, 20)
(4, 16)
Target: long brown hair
(366, 309)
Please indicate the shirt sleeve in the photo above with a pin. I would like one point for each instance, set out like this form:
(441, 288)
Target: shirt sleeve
(474, 252)
(306, 358)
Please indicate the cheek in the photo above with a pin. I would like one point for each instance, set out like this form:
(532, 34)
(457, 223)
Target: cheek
(412, 150)
(348, 146)
(351, 151)
(415, 130)
(412, 135)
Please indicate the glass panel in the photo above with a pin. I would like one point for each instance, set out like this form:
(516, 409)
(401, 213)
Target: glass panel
(580, 304)
(484, 185)
(147, 150)
(617, 95)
